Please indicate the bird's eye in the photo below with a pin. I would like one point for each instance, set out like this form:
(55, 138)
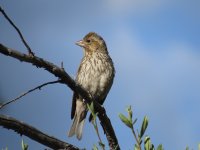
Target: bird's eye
(88, 41)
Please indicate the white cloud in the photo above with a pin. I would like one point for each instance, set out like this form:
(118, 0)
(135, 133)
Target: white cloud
(128, 50)
(175, 64)
(162, 83)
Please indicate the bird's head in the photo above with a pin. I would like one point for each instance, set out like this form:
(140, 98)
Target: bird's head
(92, 43)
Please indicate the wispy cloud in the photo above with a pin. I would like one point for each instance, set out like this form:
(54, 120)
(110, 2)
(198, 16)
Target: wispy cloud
(160, 83)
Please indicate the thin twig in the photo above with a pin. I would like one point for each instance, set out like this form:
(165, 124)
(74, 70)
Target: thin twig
(29, 91)
(94, 123)
(66, 79)
(18, 31)
(135, 136)
(62, 65)
(97, 131)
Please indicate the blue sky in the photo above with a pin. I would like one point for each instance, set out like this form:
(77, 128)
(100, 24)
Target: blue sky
(154, 45)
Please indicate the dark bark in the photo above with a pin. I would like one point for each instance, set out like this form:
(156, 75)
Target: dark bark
(66, 79)
(33, 133)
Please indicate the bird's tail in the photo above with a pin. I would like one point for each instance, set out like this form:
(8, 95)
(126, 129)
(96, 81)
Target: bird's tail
(78, 123)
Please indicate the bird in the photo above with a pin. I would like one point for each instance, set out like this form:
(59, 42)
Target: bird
(95, 74)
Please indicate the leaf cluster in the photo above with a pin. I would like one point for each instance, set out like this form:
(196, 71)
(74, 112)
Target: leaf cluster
(139, 136)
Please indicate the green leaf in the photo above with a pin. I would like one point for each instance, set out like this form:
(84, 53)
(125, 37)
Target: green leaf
(24, 146)
(95, 147)
(125, 120)
(147, 143)
(134, 121)
(91, 109)
(136, 147)
(160, 147)
(140, 140)
(187, 148)
(130, 112)
(152, 147)
(5, 148)
(144, 126)
(199, 147)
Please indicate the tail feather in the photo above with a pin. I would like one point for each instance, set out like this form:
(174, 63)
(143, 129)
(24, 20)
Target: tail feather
(72, 130)
(79, 129)
(77, 125)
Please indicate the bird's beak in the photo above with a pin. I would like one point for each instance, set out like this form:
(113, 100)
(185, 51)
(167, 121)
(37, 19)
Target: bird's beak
(80, 43)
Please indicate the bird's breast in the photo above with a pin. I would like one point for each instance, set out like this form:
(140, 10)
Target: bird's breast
(95, 74)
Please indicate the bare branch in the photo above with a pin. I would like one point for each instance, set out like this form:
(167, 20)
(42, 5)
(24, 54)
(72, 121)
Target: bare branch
(29, 91)
(65, 78)
(35, 134)
(18, 31)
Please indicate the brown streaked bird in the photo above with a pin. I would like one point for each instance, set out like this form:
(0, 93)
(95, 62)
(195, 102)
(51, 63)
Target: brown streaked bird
(95, 74)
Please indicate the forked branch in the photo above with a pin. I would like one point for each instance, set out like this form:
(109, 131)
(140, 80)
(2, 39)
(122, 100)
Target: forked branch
(66, 79)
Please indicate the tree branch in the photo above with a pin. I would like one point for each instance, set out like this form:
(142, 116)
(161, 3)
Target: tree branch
(18, 31)
(65, 78)
(35, 134)
(29, 91)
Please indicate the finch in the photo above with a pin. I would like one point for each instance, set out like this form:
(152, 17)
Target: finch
(95, 74)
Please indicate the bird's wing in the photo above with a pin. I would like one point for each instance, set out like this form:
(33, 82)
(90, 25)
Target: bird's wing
(75, 95)
(73, 109)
